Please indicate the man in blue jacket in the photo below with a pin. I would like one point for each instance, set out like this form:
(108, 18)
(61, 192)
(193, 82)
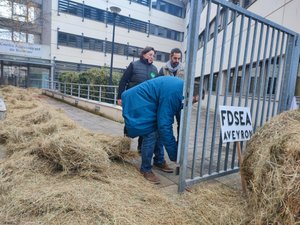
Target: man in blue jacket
(148, 110)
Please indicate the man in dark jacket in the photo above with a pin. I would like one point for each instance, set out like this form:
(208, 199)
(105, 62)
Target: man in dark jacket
(148, 111)
(136, 73)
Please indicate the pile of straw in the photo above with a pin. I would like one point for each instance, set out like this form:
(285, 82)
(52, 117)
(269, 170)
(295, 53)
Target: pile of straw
(58, 173)
(272, 170)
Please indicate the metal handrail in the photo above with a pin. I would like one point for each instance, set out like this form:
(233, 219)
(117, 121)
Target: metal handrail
(100, 93)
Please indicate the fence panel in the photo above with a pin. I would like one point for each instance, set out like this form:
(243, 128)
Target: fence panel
(240, 59)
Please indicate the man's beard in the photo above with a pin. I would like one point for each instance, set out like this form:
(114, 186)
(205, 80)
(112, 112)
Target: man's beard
(175, 64)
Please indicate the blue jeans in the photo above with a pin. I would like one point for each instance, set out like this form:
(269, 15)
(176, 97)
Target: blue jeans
(160, 147)
(151, 145)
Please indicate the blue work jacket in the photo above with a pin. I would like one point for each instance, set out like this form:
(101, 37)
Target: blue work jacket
(151, 106)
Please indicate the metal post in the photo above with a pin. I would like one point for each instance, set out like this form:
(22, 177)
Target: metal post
(190, 66)
(115, 10)
(52, 72)
(133, 55)
(112, 49)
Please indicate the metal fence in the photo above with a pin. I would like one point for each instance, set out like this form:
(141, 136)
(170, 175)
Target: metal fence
(241, 59)
(100, 93)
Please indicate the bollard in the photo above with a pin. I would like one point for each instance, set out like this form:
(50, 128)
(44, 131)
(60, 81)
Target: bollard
(2, 109)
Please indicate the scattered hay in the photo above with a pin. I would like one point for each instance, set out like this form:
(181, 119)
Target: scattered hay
(214, 203)
(72, 153)
(58, 173)
(36, 116)
(272, 170)
(118, 148)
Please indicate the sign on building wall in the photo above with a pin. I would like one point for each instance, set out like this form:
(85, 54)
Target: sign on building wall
(236, 124)
(24, 49)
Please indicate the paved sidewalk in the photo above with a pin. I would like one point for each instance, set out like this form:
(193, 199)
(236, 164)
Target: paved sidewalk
(96, 123)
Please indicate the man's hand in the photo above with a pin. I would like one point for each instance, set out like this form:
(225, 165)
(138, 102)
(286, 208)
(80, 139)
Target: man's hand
(195, 99)
(120, 102)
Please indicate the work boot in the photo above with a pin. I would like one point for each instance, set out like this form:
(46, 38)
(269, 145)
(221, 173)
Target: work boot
(164, 167)
(150, 176)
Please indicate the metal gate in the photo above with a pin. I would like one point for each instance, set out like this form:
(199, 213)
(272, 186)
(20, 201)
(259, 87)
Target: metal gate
(240, 59)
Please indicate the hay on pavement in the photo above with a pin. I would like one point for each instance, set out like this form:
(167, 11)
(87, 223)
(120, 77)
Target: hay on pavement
(59, 173)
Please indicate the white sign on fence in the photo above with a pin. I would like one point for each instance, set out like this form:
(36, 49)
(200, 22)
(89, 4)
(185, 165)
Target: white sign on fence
(236, 124)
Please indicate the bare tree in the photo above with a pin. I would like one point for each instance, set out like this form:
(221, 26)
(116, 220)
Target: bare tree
(21, 20)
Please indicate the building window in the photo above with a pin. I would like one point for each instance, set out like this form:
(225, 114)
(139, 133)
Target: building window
(33, 38)
(74, 8)
(165, 32)
(6, 9)
(62, 38)
(143, 2)
(5, 34)
(168, 8)
(19, 36)
(77, 41)
(19, 12)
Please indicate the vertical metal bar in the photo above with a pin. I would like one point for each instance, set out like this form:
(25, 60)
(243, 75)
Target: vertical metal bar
(251, 62)
(100, 93)
(290, 72)
(115, 95)
(219, 83)
(282, 85)
(293, 70)
(148, 28)
(193, 32)
(278, 76)
(57, 46)
(236, 70)
(233, 155)
(65, 88)
(244, 66)
(245, 61)
(78, 90)
(257, 68)
(228, 79)
(262, 74)
(71, 89)
(198, 118)
(267, 78)
(82, 41)
(273, 75)
(88, 91)
(211, 76)
(129, 22)
(112, 49)
(53, 65)
(82, 11)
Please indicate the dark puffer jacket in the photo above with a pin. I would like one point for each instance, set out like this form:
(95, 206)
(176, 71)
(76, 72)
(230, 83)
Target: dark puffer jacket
(136, 73)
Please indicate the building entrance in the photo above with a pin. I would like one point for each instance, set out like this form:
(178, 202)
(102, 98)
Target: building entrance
(24, 74)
